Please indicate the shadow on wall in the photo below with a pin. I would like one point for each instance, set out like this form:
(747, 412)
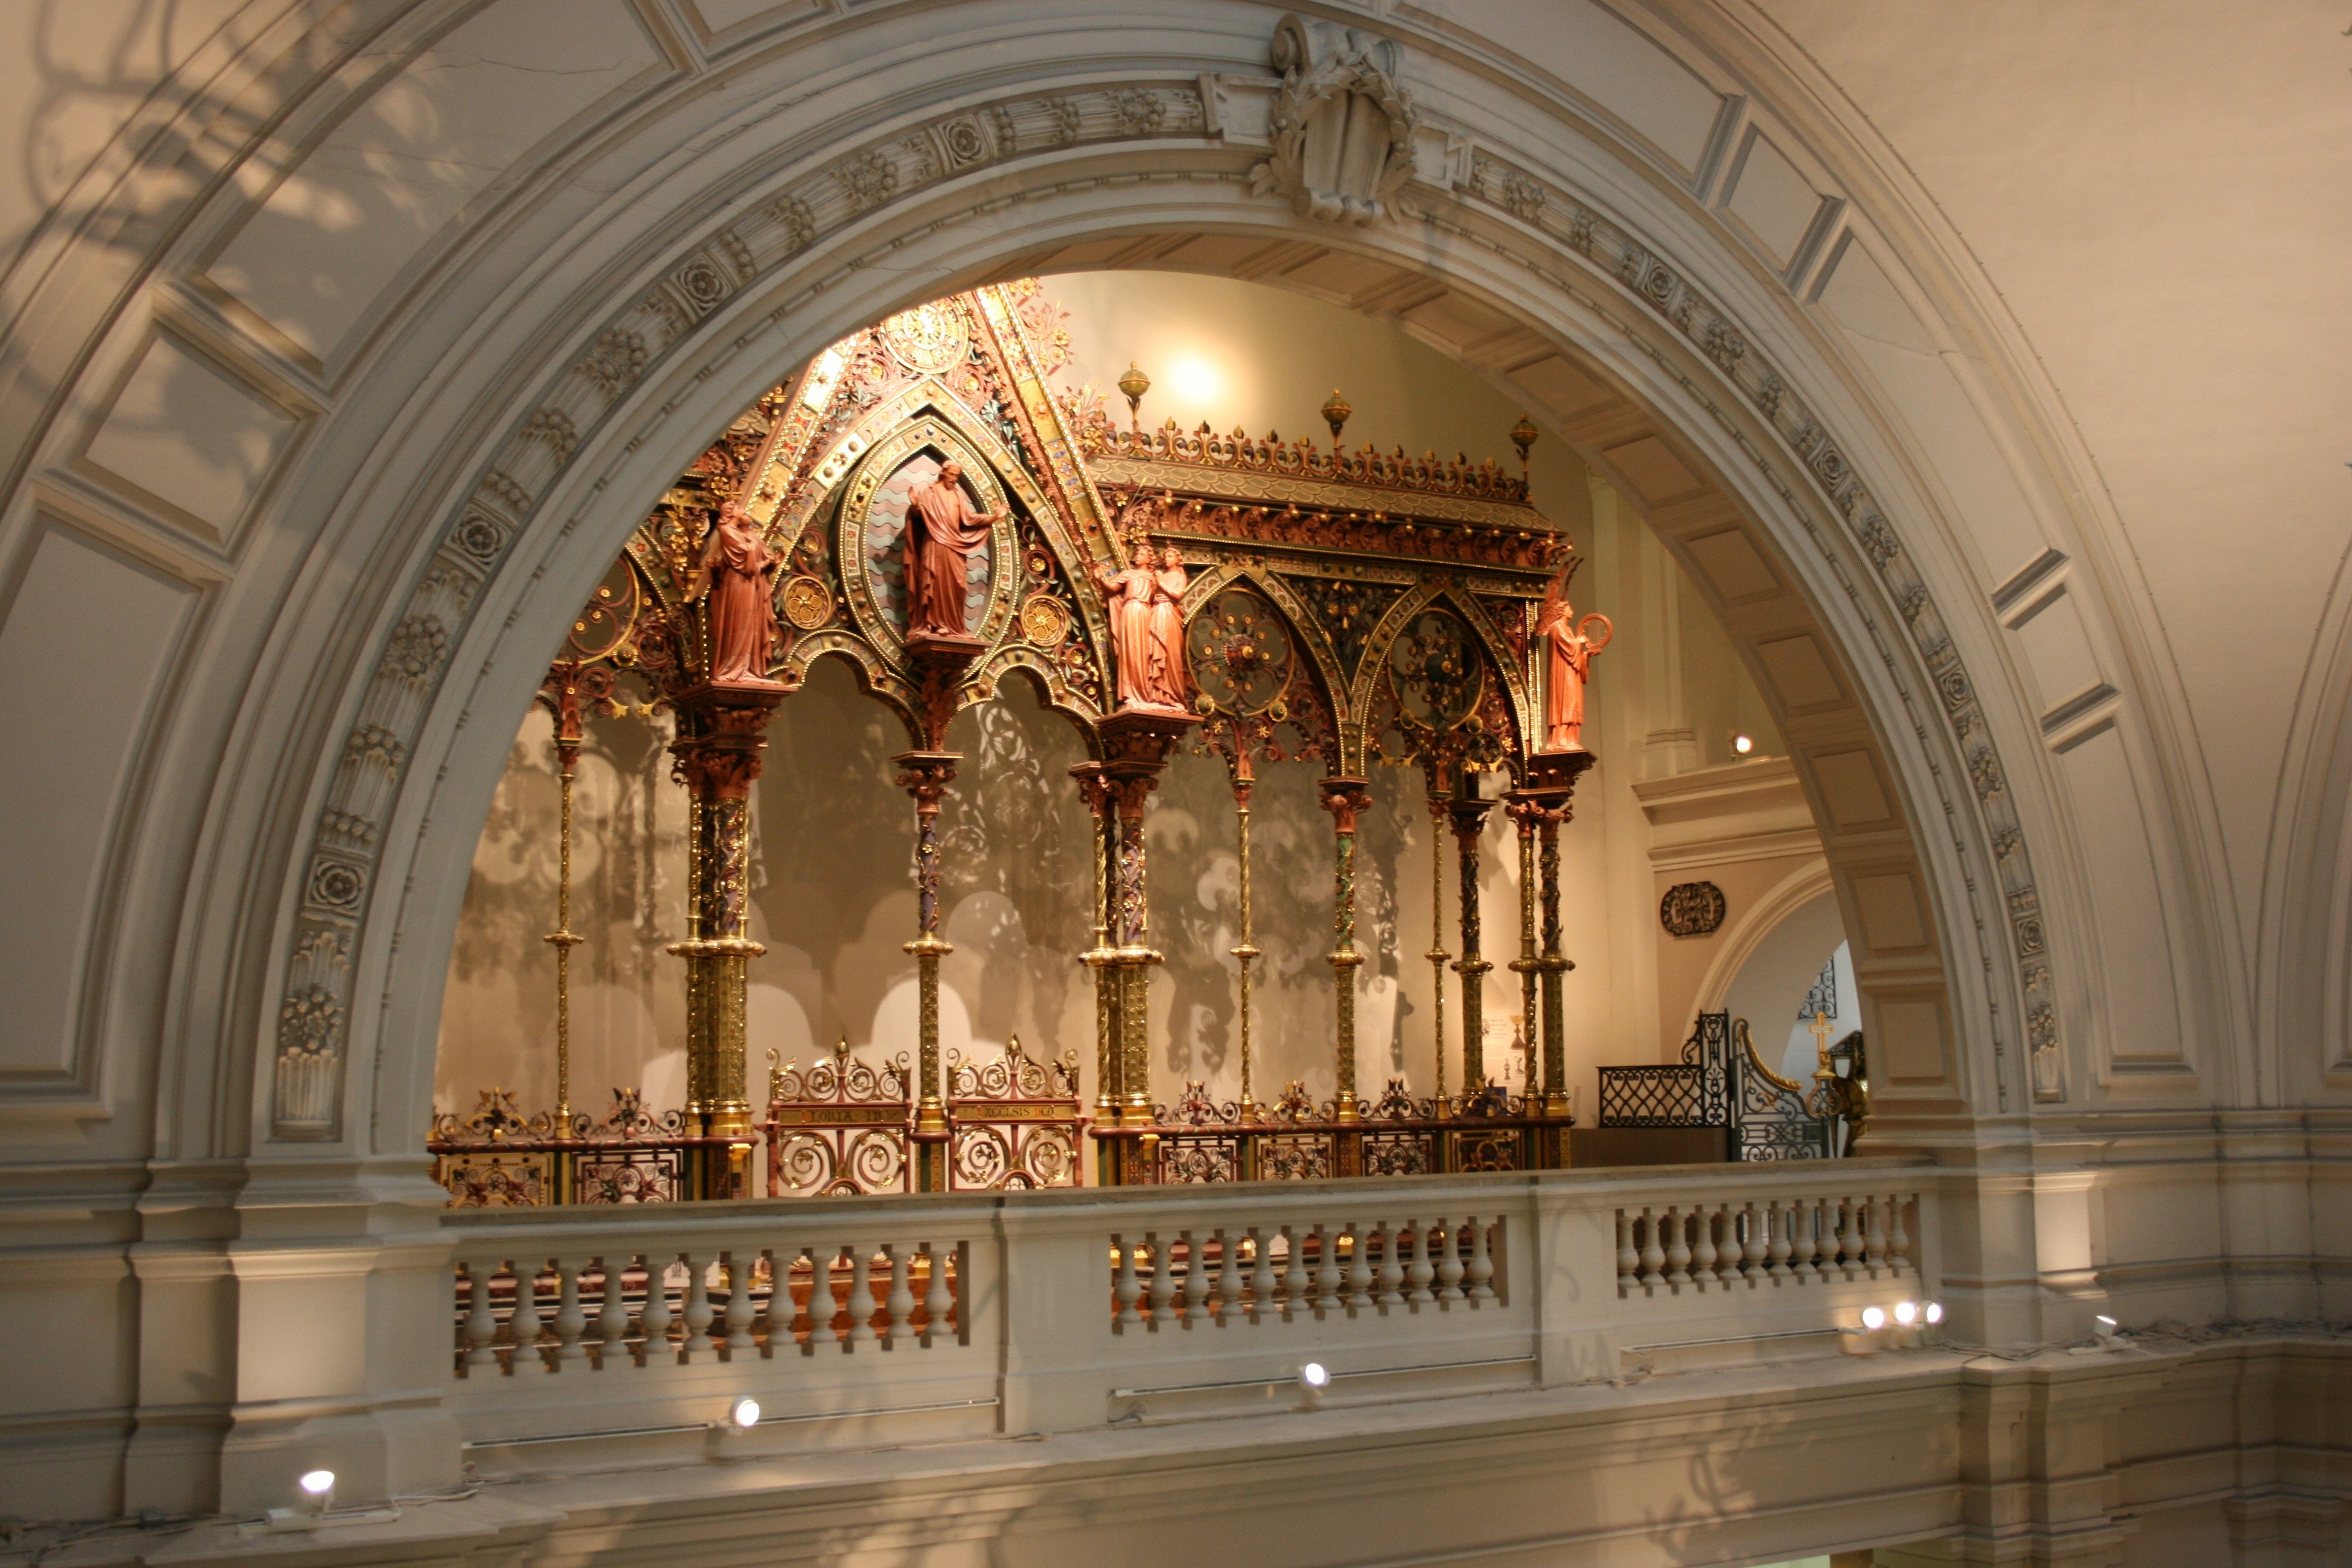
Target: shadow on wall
(628, 1008)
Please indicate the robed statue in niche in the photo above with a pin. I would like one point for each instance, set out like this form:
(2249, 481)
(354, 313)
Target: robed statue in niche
(1147, 626)
(734, 575)
(1569, 646)
(944, 530)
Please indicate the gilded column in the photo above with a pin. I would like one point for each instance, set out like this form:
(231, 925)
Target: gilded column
(1437, 955)
(925, 775)
(1100, 959)
(1346, 799)
(718, 752)
(1136, 748)
(1469, 814)
(1526, 814)
(1547, 801)
(1246, 949)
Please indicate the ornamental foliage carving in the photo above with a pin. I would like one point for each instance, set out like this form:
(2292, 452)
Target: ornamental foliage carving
(1342, 124)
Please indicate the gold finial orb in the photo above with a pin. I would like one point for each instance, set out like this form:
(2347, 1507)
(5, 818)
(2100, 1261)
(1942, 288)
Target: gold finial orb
(1523, 435)
(1134, 383)
(1334, 412)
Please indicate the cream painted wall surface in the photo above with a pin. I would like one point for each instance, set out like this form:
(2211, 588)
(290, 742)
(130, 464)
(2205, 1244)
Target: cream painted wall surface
(1264, 359)
(2159, 196)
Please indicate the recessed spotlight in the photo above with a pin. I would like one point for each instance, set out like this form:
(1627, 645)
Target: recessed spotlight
(744, 1414)
(1874, 1317)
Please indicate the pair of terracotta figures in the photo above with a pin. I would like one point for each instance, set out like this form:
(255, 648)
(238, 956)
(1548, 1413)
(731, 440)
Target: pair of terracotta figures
(944, 529)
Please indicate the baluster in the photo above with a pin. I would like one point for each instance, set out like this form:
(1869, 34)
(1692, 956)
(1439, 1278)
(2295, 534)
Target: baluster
(1895, 1249)
(698, 1312)
(1391, 1268)
(1419, 1274)
(900, 1307)
(1124, 1286)
(1678, 1252)
(1264, 1282)
(1359, 1266)
(1628, 1261)
(861, 1294)
(525, 1325)
(481, 1322)
(1805, 1239)
(570, 1318)
(654, 1316)
(1778, 1223)
(739, 1310)
(779, 1293)
(938, 1302)
(1852, 1227)
(1482, 1267)
(1449, 1262)
(1298, 1285)
(1229, 1275)
(1162, 1294)
(613, 1316)
(1328, 1277)
(825, 1307)
(1653, 1255)
(1754, 1250)
(1703, 1250)
(1196, 1279)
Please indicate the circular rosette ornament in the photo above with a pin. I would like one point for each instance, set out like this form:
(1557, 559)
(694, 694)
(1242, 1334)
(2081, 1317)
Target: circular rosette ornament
(1240, 654)
(1436, 671)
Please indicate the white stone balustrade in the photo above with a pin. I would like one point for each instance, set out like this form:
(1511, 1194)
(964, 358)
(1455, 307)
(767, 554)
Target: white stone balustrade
(1269, 1273)
(961, 1314)
(1748, 1242)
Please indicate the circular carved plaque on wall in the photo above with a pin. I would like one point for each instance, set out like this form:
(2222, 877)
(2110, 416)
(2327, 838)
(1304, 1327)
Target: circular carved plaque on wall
(1692, 909)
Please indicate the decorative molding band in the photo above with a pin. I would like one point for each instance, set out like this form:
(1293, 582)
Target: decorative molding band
(314, 1016)
(1667, 295)
(314, 1012)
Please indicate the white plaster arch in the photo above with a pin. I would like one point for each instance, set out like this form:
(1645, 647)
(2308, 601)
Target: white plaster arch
(204, 774)
(1141, 186)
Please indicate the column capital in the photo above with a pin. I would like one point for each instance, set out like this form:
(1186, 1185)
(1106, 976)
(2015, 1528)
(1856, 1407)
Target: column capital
(721, 727)
(1346, 799)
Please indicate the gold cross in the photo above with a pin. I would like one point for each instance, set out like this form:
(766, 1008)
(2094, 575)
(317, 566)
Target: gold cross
(1820, 1028)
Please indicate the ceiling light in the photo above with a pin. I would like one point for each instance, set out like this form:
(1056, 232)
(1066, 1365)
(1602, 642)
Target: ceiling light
(1194, 380)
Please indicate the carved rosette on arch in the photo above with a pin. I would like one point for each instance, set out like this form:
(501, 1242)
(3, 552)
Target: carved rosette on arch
(1342, 124)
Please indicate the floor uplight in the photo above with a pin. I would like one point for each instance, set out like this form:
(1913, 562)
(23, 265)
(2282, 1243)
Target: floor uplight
(317, 1489)
(1874, 1317)
(744, 1414)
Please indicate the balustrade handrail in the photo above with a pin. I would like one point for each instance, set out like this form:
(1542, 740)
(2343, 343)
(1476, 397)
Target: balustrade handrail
(896, 1211)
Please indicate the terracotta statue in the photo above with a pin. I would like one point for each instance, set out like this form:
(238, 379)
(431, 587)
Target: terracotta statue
(1143, 667)
(1569, 646)
(734, 575)
(943, 530)
(1168, 628)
